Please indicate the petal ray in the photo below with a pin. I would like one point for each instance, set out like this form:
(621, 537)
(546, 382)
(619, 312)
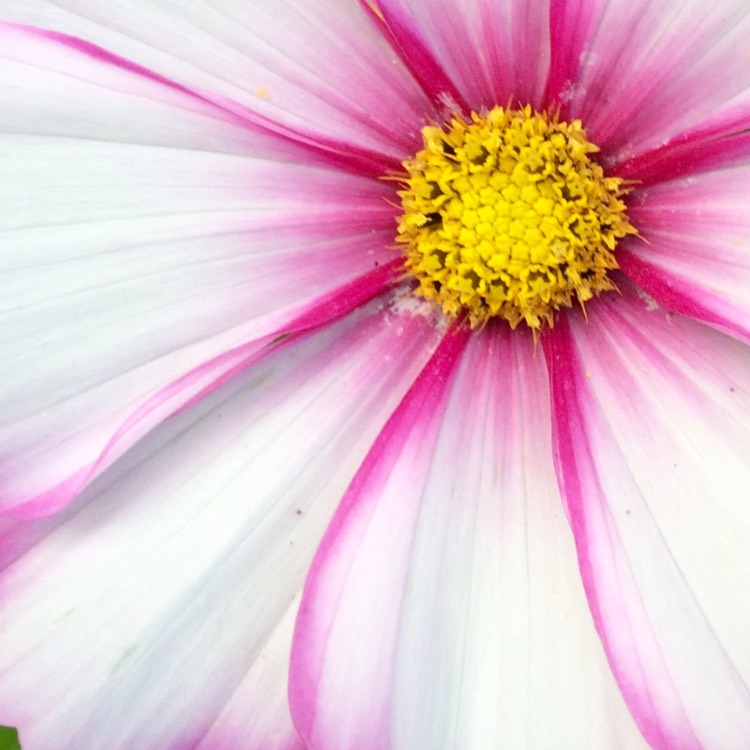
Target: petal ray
(149, 246)
(443, 609)
(308, 68)
(177, 568)
(472, 54)
(696, 259)
(640, 73)
(651, 415)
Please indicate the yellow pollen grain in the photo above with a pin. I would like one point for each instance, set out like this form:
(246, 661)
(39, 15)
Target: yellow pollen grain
(506, 215)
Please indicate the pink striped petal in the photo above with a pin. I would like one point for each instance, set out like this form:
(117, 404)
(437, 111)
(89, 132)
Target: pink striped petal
(691, 153)
(395, 20)
(142, 613)
(150, 249)
(639, 73)
(652, 428)
(697, 257)
(572, 26)
(444, 609)
(308, 68)
(472, 54)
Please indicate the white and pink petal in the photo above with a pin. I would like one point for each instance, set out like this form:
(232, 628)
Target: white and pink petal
(149, 247)
(640, 73)
(696, 254)
(651, 426)
(471, 54)
(690, 153)
(143, 612)
(256, 717)
(444, 609)
(303, 69)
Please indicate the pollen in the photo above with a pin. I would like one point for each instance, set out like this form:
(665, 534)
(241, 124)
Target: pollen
(506, 215)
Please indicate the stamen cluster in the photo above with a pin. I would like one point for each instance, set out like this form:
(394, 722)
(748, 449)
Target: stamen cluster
(506, 215)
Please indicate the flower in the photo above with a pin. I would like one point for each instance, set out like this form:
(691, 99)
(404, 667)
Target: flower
(220, 387)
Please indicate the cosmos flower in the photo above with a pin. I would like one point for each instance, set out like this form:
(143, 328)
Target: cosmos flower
(375, 374)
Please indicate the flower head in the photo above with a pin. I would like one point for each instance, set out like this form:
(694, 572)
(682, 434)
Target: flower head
(507, 216)
(375, 375)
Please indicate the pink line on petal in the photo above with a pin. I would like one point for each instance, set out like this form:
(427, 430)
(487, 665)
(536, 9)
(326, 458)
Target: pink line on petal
(427, 394)
(561, 361)
(52, 499)
(496, 49)
(18, 537)
(675, 294)
(401, 32)
(346, 156)
(686, 155)
(570, 21)
(570, 449)
(353, 294)
(334, 305)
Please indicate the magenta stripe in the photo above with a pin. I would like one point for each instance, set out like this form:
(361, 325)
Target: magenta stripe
(428, 395)
(675, 295)
(570, 21)
(687, 155)
(329, 308)
(571, 453)
(18, 537)
(567, 426)
(345, 156)
(399, 29)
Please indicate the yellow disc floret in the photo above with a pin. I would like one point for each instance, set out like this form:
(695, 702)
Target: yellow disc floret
(506, 215)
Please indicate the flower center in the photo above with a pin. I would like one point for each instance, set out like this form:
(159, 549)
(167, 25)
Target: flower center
(507, 216)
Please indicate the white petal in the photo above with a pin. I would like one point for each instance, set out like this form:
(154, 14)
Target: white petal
(652, 437)
(444, 608)
(488, 51)
(318, 70)
(257, 714)
(135, 616)
(639, 72)
(149, 246)
(696, 258)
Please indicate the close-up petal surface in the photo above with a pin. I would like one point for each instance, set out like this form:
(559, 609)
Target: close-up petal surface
(179, 565)
(443, 609)
(652, 431)
(375, 374)
(147, 257)
(264, 685)
(697, 260)
(514, 39)
(639, 73)
(303, 68)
